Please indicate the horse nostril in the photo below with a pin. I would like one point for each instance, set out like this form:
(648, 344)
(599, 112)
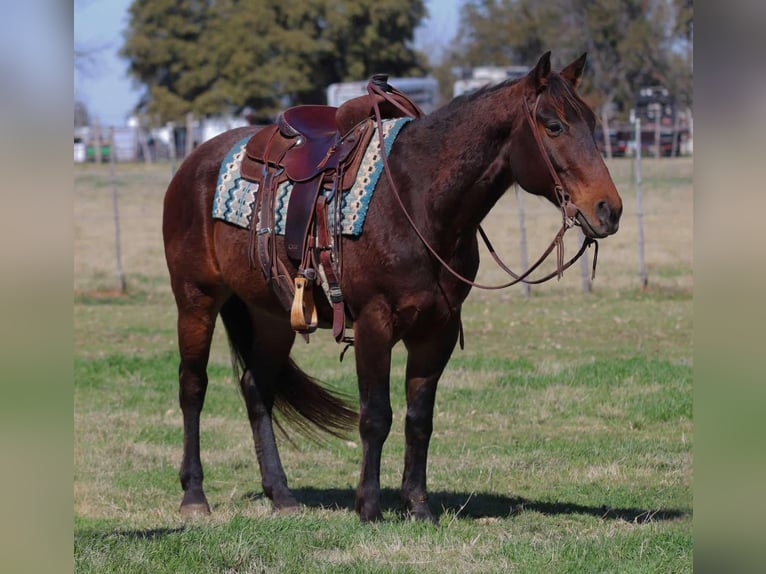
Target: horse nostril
(603, 211)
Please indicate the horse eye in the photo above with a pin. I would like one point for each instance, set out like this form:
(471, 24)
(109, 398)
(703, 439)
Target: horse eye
(554, 128)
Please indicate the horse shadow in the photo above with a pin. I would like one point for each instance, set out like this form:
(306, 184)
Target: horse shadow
(148, 534)
(463, 505)
(476, 505)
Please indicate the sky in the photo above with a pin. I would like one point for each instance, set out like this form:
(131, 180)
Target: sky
(108, 92)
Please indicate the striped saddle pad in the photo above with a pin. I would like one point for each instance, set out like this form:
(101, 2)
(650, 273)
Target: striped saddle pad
(235, 197)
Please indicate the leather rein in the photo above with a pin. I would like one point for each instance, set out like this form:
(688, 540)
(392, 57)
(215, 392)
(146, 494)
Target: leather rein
(568, 211)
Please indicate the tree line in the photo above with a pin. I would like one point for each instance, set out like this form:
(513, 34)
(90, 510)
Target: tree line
(205, 56)
(209, 56)
(630, 43)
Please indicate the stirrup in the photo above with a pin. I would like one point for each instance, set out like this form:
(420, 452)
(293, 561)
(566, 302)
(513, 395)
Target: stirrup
(303, 307)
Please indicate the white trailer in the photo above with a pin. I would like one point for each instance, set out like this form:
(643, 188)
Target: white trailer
(476, 78)
(423, 91)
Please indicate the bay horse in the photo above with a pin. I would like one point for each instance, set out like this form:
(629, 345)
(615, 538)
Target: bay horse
(448, 168)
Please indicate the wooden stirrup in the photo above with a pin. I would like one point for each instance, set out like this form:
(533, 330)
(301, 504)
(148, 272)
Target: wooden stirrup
(303, 307)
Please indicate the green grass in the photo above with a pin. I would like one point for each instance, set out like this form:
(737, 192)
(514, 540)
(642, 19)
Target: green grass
(323, 542)
(562, 435)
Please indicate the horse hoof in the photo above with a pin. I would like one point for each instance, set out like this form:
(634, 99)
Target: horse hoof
(284, 502)
(194, 510)
(367, 517)
(422, 515)
(287, 510)
(416, 508)
(419, 511)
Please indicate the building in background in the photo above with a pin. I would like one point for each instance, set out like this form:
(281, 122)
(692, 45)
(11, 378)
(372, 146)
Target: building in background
(472, 79)
(423, 91)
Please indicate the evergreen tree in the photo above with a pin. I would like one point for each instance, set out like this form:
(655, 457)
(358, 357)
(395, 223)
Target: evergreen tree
(166, 53)
(209, 56)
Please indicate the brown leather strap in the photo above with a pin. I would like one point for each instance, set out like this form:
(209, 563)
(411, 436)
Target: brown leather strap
(264, 230)
(260, 232)
(324, 242)
(561, 266)
(568, 209)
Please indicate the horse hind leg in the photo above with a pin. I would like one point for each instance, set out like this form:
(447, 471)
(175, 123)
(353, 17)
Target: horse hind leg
(259, 403)
(261, 344)
(261, 359)
(197, 312)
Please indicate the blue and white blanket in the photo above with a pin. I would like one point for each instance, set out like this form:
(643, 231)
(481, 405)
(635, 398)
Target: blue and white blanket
(235, 197)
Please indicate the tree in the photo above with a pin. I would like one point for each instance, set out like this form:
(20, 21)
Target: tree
(209, 56)
(504, 32)
(81, 115)
(682, 64)
(164, 45)
(630, 43)
(370, 36)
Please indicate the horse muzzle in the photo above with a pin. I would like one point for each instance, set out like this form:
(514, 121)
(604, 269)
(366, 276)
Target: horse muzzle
(604, 220)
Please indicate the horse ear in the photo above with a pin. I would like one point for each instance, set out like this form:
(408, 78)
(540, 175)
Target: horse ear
(541, 72)
(573, 72)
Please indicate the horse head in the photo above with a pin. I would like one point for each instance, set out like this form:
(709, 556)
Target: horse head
(561, 161)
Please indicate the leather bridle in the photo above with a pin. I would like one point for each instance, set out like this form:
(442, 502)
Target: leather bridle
(569, 211)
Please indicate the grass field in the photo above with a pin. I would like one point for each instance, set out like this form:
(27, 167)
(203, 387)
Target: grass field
(562, 435)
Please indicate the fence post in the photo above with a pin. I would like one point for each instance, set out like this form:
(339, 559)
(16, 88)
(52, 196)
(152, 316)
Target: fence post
(605, 131)
(189, 133)
(172, 148)
(143, 141)
(526, 289)
(640, 210)
(97, 142)
(116, 212)
(585, 271)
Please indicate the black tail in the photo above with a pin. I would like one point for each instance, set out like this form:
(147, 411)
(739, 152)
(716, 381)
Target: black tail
(298, 397)
(303, 402)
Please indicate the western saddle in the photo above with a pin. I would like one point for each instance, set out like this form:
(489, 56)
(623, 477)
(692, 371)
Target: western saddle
(319, 149)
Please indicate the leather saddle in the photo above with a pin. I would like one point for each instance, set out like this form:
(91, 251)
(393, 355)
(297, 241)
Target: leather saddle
(315, 147)
(306, 143)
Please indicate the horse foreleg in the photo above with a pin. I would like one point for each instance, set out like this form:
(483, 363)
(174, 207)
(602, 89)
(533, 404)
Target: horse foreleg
(373, 364)
(195, 330)
(426, 359)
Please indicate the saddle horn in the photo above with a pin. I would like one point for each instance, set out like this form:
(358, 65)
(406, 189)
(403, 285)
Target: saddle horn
(381, 81)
